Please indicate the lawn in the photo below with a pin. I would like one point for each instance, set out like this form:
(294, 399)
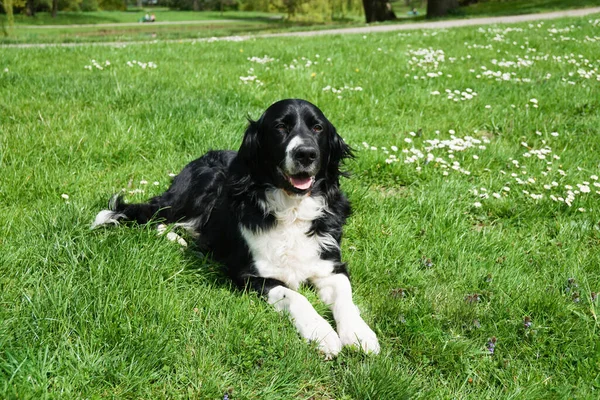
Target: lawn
(130, 16)
(473, 247)
(516, 7)
(100, 26)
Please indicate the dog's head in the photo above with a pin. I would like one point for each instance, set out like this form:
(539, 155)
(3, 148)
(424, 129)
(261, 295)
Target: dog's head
(292, 146)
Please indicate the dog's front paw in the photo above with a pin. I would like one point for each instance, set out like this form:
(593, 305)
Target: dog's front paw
(327, 340)
(358, 334)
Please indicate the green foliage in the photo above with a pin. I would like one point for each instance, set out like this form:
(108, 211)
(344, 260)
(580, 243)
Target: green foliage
(255, 5)
(69, 5)
(89, 5)
(112, 4)
(7, 6)
(307, 10)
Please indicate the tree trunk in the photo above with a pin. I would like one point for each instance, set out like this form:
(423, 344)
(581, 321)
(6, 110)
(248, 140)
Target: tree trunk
(378, 10)
(8, 9)
(440, 8)
(30, 8)
(54, 8)
(195, 5)
(139, 4)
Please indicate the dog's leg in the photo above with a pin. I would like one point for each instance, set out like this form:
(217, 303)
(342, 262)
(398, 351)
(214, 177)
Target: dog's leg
(308, 322)
(335, 291)
(305, 318)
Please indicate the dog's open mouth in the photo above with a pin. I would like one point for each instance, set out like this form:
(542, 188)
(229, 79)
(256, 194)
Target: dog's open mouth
(301, 181)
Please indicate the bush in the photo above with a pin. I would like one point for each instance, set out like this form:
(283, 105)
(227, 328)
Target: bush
(112, 5)
(89, 5)
(306, 10)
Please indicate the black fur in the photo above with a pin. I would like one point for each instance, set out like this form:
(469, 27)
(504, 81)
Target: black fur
(222, 190)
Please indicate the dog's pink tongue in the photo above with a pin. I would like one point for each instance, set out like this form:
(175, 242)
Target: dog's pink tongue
(301, 183)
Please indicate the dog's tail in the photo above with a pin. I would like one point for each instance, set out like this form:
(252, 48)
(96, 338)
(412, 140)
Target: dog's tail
(119, 211)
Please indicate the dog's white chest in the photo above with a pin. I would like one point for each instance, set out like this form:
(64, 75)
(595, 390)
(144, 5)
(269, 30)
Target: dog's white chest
(285, 252)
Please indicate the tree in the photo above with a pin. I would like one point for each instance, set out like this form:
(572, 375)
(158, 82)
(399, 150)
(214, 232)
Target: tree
(54, 8)
(8, 9)
(378, 10)
(439, 8)
(30, 8)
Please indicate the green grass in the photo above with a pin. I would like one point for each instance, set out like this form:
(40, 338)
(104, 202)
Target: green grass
(140, 33)
(107, 17)
(123, 313)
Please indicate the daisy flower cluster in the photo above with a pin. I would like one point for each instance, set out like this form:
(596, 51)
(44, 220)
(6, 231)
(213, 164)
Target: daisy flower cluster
(303, 62)
(338, 91)
(550, 185)
(251, 78)
(500, 75)
(439, 153)
(95, 64)
(499, 34)
(479, 46)
(550, 182)
(457, 95)
(520, 63)
(261, 60)
(101, 66)
(221, 39)
(142, 65)
(426, 59)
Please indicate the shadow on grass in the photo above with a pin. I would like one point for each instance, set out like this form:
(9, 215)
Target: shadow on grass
(202, 265)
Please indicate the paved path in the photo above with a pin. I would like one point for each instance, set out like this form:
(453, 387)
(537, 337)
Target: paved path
(509, 19)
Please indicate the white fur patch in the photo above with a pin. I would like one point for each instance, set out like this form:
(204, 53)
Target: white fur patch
(107, 217)
(285, 252)
(190, 226)
(335, 290)
(307, 321)
(172, 236)
(289, 160)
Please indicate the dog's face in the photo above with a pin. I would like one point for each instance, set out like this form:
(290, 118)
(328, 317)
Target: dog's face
(293, 144)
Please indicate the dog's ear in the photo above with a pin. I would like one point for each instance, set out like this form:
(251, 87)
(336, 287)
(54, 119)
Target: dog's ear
(249, 150)
(338, 152)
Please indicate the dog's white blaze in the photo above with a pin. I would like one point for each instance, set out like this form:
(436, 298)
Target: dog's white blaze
(335, 290)
(307, 321)
(106, 217)
(285, 252)
(289, 160)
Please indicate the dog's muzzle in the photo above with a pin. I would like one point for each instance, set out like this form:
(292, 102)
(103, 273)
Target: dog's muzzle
(302, 165)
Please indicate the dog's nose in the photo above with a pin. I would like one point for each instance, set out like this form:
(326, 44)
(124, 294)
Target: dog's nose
(305, 155)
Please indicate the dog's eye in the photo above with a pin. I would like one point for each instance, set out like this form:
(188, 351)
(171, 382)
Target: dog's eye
(317, 128)
(281, 127)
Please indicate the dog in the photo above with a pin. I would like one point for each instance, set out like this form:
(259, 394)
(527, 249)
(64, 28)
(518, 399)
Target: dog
(272, 214)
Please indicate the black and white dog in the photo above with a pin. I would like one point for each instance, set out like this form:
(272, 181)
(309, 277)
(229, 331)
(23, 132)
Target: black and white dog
(272, 214)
